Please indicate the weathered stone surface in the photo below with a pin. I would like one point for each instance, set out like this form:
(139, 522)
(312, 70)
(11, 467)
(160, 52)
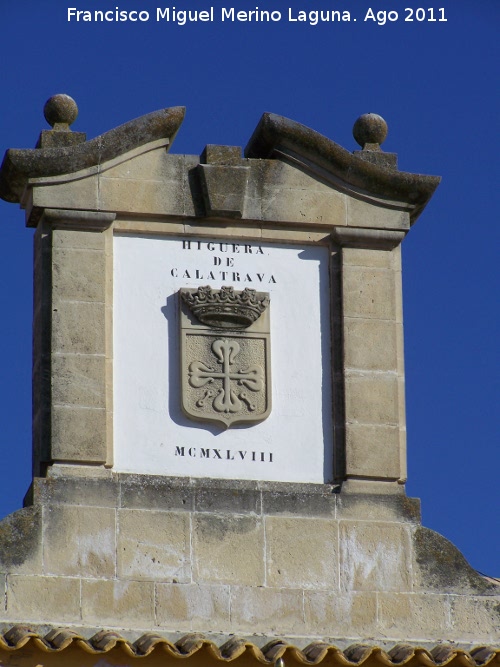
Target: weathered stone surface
(118, 603)
(60, 110)
(299, 500)
(151, 492)
(78, 275)
(302, 553)
(303, 206)
(81, 195)
(370, 344)
(370, 131)
(238, 497)
(373, 451)
(188, 607)
(19, 165)
(369, 293)
(79, 380)
(78, 238)
(78, 434)
(141, 196)
(154, 546)
(44, 599)
(368, 258)
(473, 617)
(79, 541)
(332, 615)
(414, 616)
(366, 214)
(316, 152)
(372, 399)
(89, 491)
(381, 507)
(21, 541)
(374, 557)
(266, 610)
(439, 566)
(224, 189)
(228, 549)
(78, 327)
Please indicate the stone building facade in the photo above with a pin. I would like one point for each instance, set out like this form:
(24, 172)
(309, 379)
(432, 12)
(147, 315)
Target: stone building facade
(170, 516)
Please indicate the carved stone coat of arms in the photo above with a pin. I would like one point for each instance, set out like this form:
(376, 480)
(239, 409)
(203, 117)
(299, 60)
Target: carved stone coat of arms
(225, 355)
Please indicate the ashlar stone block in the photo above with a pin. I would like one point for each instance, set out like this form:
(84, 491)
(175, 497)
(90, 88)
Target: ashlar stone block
(81, 194)
(374, 556)
(473, 617)
(77, 239)
(369, 293)
(154, 545)
(332, 615)
(78, 275)
(369, 258)
(368, 214)
(267, 610)
(303, 206)
(141, 196)
(20, 542)
(78, 327)
(228, 549)
(78, 434)
(43, 599)
(80, 381)
(370, 344)
(186, 607)
(372, 398)
(373, 451)
(414, 616)
(79, 541)
(302, 552)
(118, 603)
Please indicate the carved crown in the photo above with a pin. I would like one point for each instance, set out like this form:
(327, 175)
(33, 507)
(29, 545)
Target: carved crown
(225, 308)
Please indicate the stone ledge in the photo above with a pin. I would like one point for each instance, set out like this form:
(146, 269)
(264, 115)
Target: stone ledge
(183, 494)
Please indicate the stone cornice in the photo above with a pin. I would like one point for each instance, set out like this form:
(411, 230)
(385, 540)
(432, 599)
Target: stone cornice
(21, 164)
(277, 137)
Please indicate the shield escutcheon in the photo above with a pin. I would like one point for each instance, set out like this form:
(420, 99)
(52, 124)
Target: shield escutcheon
(225, 355)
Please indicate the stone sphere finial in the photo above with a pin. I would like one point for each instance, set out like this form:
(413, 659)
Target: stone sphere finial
(370, 128)
(60, 109)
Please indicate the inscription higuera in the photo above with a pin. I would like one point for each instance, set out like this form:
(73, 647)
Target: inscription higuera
(223, 259)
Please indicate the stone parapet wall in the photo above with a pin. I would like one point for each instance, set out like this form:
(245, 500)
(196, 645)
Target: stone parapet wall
(184, 555)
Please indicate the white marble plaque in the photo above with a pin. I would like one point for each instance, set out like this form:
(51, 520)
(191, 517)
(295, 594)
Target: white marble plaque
(151, 433)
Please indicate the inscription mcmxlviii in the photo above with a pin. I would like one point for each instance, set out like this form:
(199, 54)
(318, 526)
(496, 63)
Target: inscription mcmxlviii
(225, 350)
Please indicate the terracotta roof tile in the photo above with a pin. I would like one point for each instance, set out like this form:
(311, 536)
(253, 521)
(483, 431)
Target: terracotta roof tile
(401, 655)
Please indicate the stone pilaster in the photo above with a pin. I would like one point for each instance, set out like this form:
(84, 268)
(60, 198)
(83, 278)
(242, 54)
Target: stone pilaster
(72, 400)
(373, 368)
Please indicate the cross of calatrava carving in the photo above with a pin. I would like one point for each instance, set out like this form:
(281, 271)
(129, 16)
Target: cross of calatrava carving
(227, 399)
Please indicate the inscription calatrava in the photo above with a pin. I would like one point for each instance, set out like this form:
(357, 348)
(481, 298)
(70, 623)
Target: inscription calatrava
(225, 350)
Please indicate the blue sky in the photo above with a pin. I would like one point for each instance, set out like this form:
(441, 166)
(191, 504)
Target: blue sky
(436, 84)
